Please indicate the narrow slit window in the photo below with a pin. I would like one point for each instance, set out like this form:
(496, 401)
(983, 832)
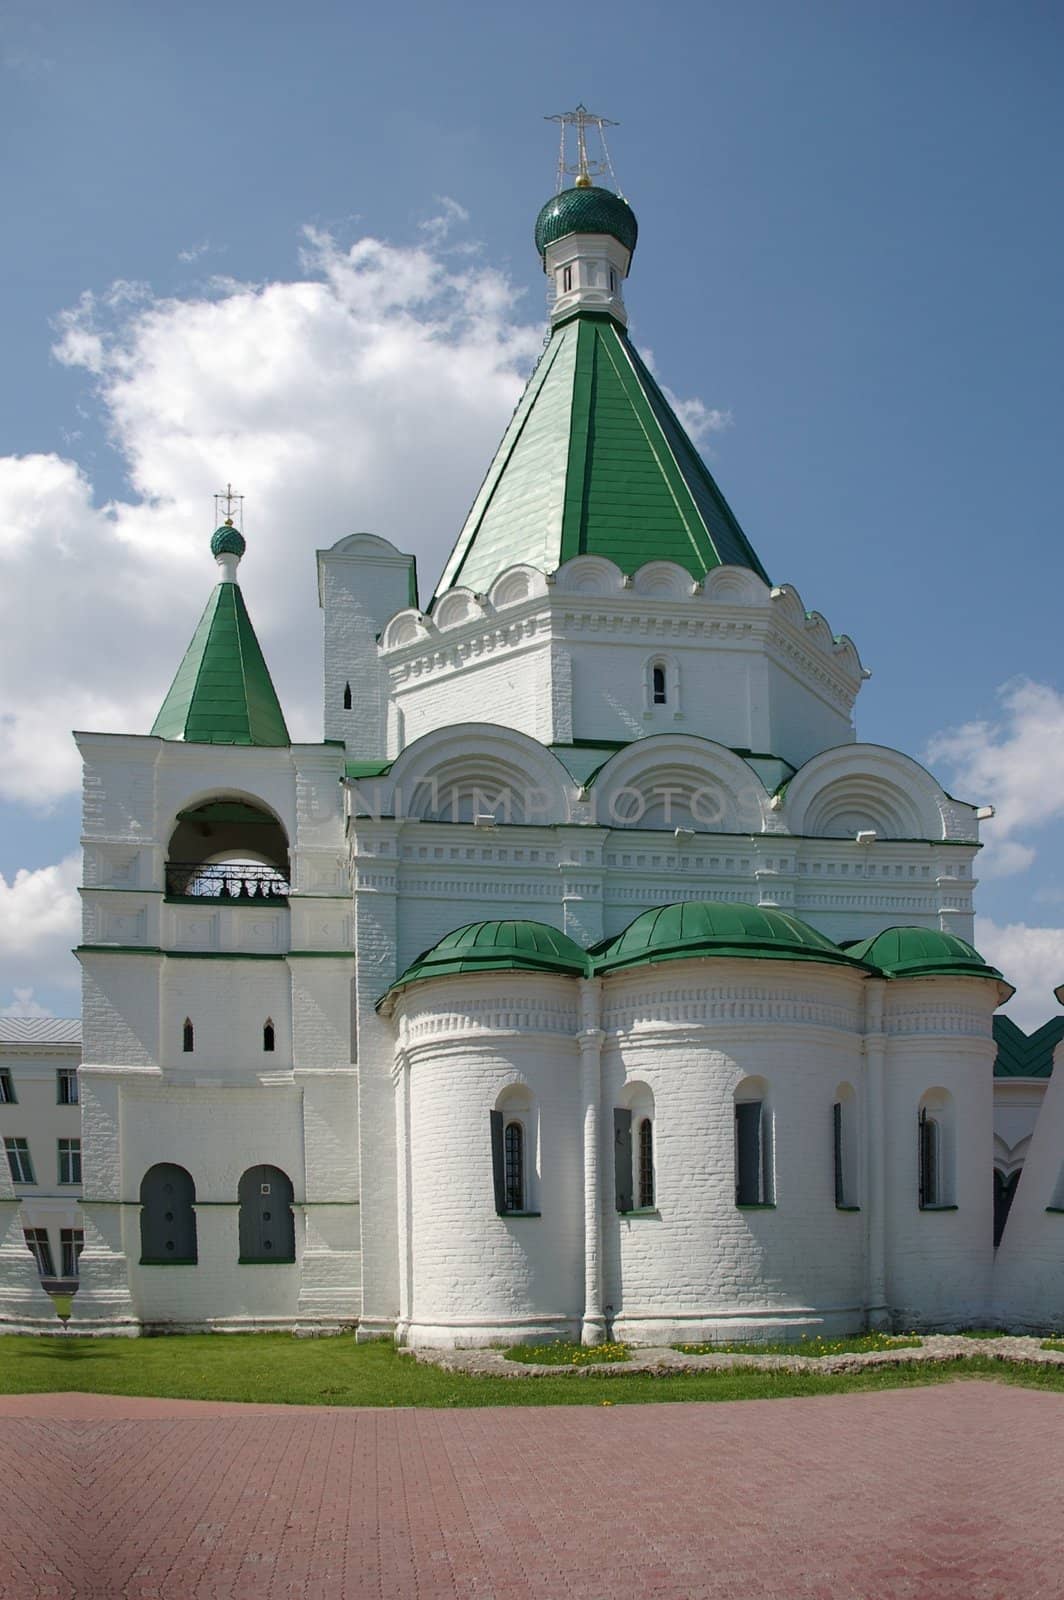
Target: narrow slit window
(188, 1037)
(268, 1037)
(646, 1164)
(753, 1178)
(929, 1161)
(514, 1157)
(613, 281)
(347, 697)
(567, 279)
(840, 1183)
(658, 687)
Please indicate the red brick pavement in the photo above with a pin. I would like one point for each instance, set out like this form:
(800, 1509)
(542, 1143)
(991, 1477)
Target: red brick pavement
(946, 1493)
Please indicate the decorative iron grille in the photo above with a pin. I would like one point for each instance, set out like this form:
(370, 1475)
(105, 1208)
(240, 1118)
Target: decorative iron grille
(225, 881)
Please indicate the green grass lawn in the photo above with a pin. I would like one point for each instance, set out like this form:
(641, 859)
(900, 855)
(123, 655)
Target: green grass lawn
(856, 1344)
(276, 1368)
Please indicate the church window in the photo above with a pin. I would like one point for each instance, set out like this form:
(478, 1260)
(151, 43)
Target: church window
(66, 1086)
(623, 1187)
(646, 1164)
(167, 1217)
(7, 1087)
(567, 280)
(347, 697)
(844, 1147)
(18, 1160)
(509, 1155)
(930, 1160)
(267, 1222)
(613, 281)
(268, 1036)
(188, 1037)
(41, 1250)
(753, 1154)
(69, 1162)
(659, 690)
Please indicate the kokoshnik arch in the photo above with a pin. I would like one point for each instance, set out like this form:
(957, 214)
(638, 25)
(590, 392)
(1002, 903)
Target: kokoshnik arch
(590, 976)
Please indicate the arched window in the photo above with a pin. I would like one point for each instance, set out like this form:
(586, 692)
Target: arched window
(267, 1224)
(646, 1164)
(167, 1217)
(753, 1145)
(844, 1147)
(188, 1037)
(659, 693)
(347, 697)
(633, 1149)
(935, 1152)
(513, 1152)
(268, 1035)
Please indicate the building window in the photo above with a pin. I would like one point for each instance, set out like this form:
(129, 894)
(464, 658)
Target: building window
(268, 1037)
(753, 1154)
(7, 1087)
(514, 1166)
(188, 1037)
(66, 1086)
(930, 1161)
(167, 1216)
(18, 1160)
(71, 1242)
(69, 1160)
(513, 1152)
(659, 693)
(39, 1247)
(646, 1164)
(567, 279)
(840, 1188)
(267, 1224)
(613, 281)
(844, 1147)
(347, 697)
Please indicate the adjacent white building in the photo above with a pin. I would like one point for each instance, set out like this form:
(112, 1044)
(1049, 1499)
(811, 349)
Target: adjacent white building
(590, 976)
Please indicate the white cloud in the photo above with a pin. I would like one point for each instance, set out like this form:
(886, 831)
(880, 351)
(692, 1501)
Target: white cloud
(194, 251)
(1014, 762)
(40, 916)
(24, 1005)
(1030, 958)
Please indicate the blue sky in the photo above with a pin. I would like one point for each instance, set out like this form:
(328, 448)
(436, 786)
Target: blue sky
(850, 242)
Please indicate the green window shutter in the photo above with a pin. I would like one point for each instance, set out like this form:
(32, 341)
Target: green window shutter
(748, 1153)
(622, 1158)
(498, 1162)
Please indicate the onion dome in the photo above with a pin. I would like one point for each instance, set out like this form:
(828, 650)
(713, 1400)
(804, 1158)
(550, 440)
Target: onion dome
(922, 953)
(586, 209)
(696, 928)
(227, 541)
(497, 947)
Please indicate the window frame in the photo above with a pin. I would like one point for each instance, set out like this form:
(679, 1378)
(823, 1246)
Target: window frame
(17, 1150)
(645, 1174)
(929, 1162)
(763, 1185)
(8, 1097)
(73, 1240)
(70, 1158)
(46, 1261)
(66, 1078)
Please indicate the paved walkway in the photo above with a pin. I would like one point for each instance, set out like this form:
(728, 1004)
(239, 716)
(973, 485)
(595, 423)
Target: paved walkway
(946, 1493)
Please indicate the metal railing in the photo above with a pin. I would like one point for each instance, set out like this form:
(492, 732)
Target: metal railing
(235, 880)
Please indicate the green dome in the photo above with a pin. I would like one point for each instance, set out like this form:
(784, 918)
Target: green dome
(586, 211)
(717, 928)
(227, 541)
(498, 947)
(922, 953)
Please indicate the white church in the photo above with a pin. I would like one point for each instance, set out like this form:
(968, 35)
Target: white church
(589, 978)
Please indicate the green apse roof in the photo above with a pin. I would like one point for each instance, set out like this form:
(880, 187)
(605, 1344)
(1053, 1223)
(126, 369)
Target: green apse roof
(586, 210)
(595, 462)
(223, 693)
(1026, 1055)
(498, 947)
(695, 928)
(922, 953)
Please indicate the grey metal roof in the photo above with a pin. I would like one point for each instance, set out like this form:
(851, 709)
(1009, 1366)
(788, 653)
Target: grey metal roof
(40, 1030)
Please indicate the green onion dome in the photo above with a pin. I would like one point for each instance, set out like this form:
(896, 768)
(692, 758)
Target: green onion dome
(695, 928)
(922, 953)
(586, 210)
(227, 541)
(498, 947)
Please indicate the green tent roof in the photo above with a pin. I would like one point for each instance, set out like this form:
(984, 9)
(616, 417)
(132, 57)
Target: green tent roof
(497, 947)
(693, 928)
(223, 693)
(922, 953)
(1026, 1055)
(595, 462)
